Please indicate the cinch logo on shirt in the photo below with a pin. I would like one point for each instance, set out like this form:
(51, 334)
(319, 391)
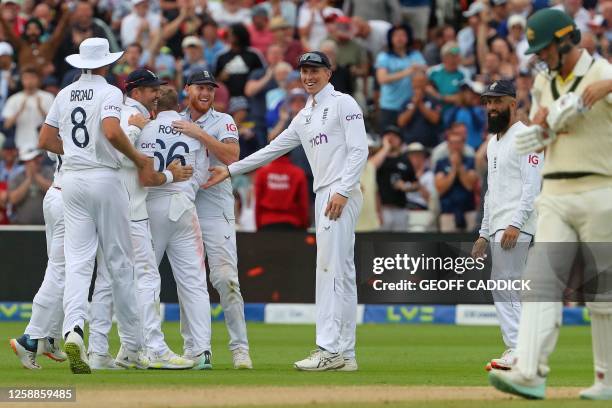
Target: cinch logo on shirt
(168, 130)
(317, 140)
(112, 107)
(354, 116)
(148, 145)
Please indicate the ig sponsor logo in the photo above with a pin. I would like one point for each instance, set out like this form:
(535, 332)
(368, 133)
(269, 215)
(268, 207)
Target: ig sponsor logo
(230, 127)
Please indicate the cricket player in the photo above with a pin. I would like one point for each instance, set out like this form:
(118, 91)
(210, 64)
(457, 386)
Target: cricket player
(143, 88)
(218, 133)
(572, 116)
(175, 228)
(332, 132)
(44, 331)
(509, 217)
(96, 207)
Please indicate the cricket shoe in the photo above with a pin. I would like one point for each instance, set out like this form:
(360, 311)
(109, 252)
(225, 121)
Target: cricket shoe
(99, 361)
(50, 348)
(131, 359)
(75, 349)
(320, 360)
(512, 382)
(599, 391)
(350, 364)
(505, 361)
(202, 361)
(169, 361)
(25, 349)
(242, 359)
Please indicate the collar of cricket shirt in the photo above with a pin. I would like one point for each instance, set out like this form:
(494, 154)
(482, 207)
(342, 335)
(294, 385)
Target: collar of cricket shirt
(170, 114)
(580, 69)
(201, 119)
(320, 96)
(135, 104)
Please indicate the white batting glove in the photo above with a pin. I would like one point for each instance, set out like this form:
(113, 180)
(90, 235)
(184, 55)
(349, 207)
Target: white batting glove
(52, 156)
(533, 138)
(564, 110)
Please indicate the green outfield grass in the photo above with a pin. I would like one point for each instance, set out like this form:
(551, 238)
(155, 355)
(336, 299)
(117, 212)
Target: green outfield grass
(419, 355)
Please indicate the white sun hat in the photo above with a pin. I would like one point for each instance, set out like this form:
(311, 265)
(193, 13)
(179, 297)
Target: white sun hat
(93, 53)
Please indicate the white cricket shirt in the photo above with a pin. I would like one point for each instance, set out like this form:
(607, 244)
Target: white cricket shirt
(78, 111)
(513, 182)
(333, 136)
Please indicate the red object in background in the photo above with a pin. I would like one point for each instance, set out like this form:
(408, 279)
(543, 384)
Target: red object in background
(3, 216)
(311, 240)
(253, 272)
(281, 194)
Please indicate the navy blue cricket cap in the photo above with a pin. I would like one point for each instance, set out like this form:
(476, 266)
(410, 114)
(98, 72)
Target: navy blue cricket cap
(202, 77)
(503, 87)
(314, 59)
(142, 77)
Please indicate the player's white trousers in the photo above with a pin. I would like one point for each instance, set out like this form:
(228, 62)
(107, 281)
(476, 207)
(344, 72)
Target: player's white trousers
(47, 311)
(508, 264)
(148, 286)
(219, 235)
(96, 213)
(336, 286)
(176, 231)
(567, 219)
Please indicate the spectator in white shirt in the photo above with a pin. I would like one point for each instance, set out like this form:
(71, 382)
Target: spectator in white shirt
(140, 25)
(230, 12)
(27, 110)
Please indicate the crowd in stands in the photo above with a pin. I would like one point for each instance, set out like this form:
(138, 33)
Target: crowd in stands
(416, 67)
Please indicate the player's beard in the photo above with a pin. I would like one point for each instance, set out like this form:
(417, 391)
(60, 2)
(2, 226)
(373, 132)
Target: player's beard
(499, 122)
(201, 106)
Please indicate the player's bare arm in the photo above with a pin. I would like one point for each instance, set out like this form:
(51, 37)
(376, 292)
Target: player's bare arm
(49, 139)
(596, 91)
(227, 150)
(217, 175)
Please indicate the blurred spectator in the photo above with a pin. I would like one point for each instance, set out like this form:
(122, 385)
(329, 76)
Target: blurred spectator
(235, 65)
(370, 216)
(371, 35)
(239, 109)
(588, 41)
(524, 82)
(420, 119)
(140, 25)
(30, 46)
(213, 46)
(281, 8)
(386, 10)
(311, 22)
(441, 151)
(420, 216)
(470, 112)
(27, 110)
(259, 83)
(276, 96)
(10, 14)
(466, 37)
(283, 37)
(606, 11)
(9, 76)
(180, 22)
(394, 69)
(128, 63)
(456, 181)
(395, 178)
(342, 78)
(448, 76)
(348, 52)
(294, 103)
(231, 12)
(416, 14)
(259, 29)
(498, 13)
(43, 13)
(9, 167)
(441, 36)
(193, 57)
(28, 188)
(517, 39)
(574, 9)
(281, 196)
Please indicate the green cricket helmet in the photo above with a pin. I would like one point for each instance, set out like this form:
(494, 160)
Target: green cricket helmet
(548, 25)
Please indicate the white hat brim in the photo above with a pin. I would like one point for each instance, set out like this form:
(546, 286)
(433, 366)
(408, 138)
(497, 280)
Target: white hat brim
(76, 61)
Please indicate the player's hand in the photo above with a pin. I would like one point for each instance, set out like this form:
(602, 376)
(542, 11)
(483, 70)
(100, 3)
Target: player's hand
(596, 91)
(540, 117)
(179, 172)
(510, 237)
(187, 128)
(217, 175)
(138, 120)
(146, 172)
(480, 248)
(335, 206)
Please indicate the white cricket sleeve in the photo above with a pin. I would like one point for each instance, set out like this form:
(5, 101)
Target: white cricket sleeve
(356, 145)
(283, 144)
(531, 179)
(484, 224)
